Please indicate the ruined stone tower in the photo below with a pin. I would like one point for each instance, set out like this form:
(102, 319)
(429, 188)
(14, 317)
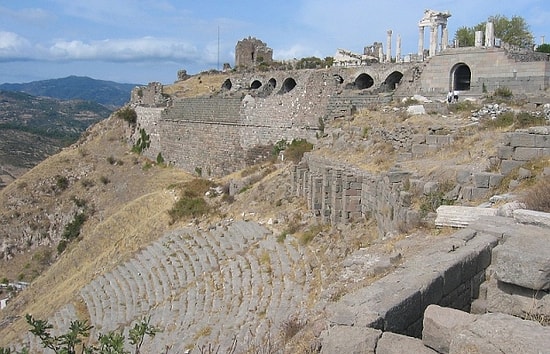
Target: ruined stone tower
(250, 52)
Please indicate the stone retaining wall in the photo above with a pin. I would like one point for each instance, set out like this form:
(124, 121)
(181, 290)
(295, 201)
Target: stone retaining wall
(341, 194)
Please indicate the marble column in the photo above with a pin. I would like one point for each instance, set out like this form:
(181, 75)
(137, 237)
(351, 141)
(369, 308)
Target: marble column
(444, 37)
(489, 34)
(433, 39)
(421, 41)
(398, 49)
(388, 46)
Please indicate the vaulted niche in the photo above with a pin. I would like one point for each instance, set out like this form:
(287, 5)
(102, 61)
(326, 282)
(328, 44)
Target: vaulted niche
(256, 84)
(288, 85)
(227, 84)
(339, 79)
(363, 81)
(272, 83)
(461, 77)
(393, 80)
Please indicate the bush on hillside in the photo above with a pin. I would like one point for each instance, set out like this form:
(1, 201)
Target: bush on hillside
(538, 196)
(128, 114)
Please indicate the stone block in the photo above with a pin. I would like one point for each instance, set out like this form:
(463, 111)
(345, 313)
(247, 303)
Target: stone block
(501, 333)
(423, 149)
(481, 180)
(507, 166)
(505, 152)
(516, 300)
(392, 343)
(523, 259)
(495, 179)
(463, 176)
(520, 139)
(460, 216)
(527, 154)
(525, 216)
(348, 339)
(439, 325)
(542, 141)
(430, 187)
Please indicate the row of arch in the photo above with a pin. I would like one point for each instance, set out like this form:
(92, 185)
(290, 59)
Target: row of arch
(361, 82)
(459, 79)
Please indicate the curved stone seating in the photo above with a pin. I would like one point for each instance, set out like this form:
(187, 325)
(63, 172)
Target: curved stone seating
(203, 287)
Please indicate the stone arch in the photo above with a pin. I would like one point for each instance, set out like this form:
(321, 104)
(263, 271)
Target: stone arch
(288, 85)
(272, 83)
(339, 79)
(256, 84)
(227, 84)
(363, 81)
(393, 80)
(461, 77)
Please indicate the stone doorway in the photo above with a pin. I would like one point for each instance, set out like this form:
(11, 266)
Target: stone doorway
(461, 77)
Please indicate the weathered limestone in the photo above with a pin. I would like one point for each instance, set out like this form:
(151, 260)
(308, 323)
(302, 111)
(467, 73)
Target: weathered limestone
(524, 260)
(392, 343)
(532, 217)
(353, 340)
(500, 333)
(440, 324)
(455, 332)
(461, 216)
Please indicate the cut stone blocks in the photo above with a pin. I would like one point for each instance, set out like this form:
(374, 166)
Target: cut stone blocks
(392, 343)
(524, 260)
(439, 325)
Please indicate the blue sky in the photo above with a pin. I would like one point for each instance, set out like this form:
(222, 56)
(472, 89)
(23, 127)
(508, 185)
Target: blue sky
(140, 41)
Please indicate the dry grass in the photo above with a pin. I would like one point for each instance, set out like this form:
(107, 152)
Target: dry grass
(198, 85)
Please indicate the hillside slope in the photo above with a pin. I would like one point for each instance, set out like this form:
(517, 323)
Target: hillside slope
(108, 93)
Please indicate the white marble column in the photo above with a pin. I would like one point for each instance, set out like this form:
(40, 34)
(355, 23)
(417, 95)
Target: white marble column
(433, 39)
(388, 46)
(398, 49)
(444, 37)
(489, 34)
(421, 41)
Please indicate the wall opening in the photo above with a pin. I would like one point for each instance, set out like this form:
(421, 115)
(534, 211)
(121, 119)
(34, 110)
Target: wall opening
(363, 81)
(272, 83)
(392, 81)
(461, 77)
(227, 84)
(339, 79)
(256, 84)
(288, 85)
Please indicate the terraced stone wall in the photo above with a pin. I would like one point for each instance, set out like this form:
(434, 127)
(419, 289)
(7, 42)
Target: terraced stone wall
(341, 194)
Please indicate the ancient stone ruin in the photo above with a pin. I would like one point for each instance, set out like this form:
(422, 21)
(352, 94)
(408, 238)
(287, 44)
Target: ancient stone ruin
(251, 52)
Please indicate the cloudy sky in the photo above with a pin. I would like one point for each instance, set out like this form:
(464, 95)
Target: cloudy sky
(140, 41)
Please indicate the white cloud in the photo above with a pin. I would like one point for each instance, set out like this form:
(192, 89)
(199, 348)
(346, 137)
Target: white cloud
(123, 50)
(13, 46)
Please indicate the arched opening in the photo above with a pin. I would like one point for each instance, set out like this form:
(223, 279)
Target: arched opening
(363, 81)
(461, 77)
(227, 84)
(256, 84)
(393, 80)
(288, 85)
(339, 79)
(272, 83)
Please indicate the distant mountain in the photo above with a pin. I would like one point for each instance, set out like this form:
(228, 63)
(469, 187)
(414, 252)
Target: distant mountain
(33, 128)
(108, 93)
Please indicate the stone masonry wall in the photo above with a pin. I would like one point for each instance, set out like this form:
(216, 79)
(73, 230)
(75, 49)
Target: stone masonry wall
(490, 67)
(341, 194)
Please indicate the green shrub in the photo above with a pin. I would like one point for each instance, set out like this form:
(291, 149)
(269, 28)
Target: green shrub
(503, 92)
(128, 114)
(160, 159)
(143, 142)
(293, 151)
(72, 229)
(503, 120)
(61, 182)
(191, 202)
